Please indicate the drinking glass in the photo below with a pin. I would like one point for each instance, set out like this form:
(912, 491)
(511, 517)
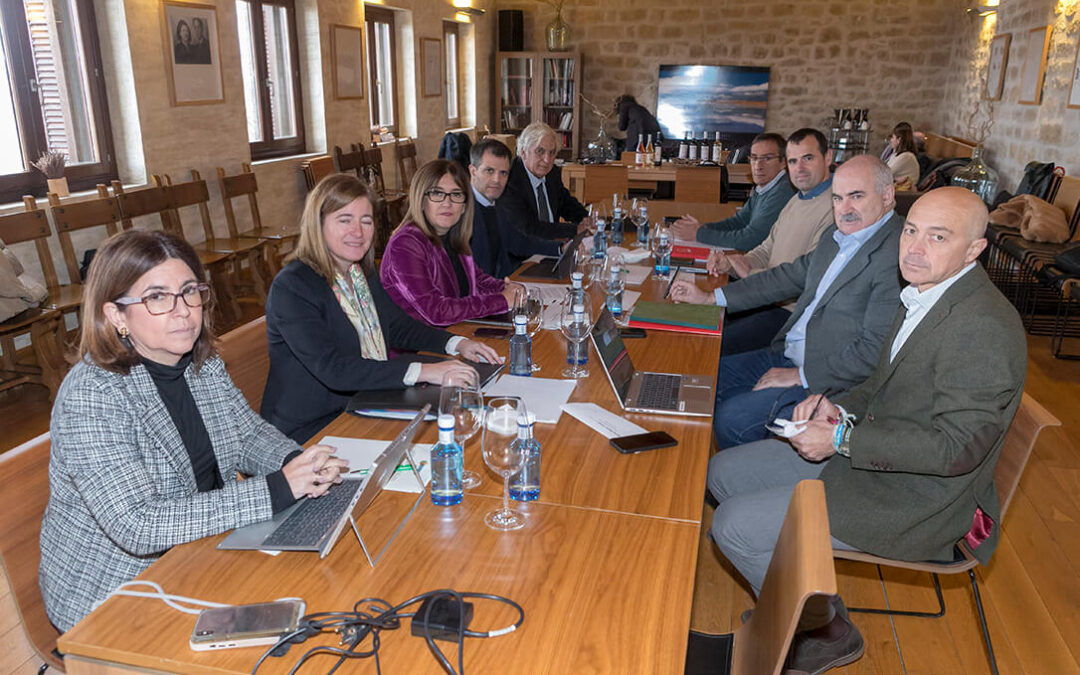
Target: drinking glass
(503, 455)
(661, 243)
(641, 221)
(460, 397)
(531, 306)
(583, 264)
(576, 332)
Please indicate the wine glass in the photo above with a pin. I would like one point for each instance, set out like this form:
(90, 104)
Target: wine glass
(641, 221)
(460, 397)
(575, 328)
(531, 306)
(661, 243)
(503, 455)
(583, 263)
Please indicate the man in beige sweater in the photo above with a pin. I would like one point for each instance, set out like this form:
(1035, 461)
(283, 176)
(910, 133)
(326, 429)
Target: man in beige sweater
(796, 232)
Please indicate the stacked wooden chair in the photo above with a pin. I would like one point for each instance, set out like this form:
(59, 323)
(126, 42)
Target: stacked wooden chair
(315, 169)
(278, 238)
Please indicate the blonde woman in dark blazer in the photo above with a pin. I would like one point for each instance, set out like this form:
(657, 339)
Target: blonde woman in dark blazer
(148, 432)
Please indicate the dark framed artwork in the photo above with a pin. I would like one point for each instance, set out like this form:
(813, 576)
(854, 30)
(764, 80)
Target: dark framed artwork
(192, 55)
(995, 67)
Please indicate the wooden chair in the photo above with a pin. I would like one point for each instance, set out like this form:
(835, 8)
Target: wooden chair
(156, 200)
(1031, 418)
(44, 325)
(602, 181)
(396, 202)
(195, 193)
(24, 490)
(801, 568)
(315, 169)
(246, 353)
(405, 151)
(350, 160)
(699, 184)
(34, 226)
(275, 238)
(75, 215)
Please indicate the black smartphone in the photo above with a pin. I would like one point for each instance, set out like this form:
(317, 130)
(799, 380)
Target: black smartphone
(497, 333)
(629, 445)
(631, 332)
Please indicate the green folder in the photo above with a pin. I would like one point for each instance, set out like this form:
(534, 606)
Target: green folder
(704, 317)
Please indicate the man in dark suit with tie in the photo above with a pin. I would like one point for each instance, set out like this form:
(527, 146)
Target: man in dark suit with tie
(536, 199)
(498, 245)
(908, 456)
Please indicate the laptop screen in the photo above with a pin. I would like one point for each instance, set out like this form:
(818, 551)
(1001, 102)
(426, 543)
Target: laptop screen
(612, 351)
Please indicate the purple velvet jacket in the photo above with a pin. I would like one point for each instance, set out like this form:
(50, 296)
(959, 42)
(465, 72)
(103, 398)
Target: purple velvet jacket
(419, 277)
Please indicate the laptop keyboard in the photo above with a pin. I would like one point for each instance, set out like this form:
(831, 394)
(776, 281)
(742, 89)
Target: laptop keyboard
(309, 523)
(659, 391)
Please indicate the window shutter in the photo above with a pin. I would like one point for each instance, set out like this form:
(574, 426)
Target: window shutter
(49, 71)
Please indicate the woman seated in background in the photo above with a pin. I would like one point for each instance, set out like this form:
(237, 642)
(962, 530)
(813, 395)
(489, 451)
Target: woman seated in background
(903, 162)
(427, 267)
(331, 326)
(148, 432)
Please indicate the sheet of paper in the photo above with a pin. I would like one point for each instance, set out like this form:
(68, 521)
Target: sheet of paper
(542, 396)
(602, 420)
(552, 316)
(628, 300)
(630, 255)
(360, 453)
(549, 293)
(636, 274)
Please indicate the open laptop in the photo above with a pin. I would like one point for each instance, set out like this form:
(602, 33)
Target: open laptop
(555, 269)
(316, 524)
(662, 393)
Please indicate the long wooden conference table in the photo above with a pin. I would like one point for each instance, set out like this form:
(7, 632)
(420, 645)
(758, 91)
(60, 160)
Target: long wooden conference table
(604, 567)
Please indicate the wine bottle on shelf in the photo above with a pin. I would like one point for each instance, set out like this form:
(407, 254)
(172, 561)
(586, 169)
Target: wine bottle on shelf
(684, 146)
(646, 159)
(717, 150)
(639, 157)
(692, 146)
(658, 151)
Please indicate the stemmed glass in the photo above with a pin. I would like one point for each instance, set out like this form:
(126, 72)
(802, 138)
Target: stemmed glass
(576, 330)
(531, 307)
(460, 397)
(583, 263)
(661, 243)
(503, 455)
(641, 221)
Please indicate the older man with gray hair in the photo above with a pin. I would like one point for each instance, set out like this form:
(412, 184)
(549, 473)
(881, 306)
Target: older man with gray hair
(536, 201)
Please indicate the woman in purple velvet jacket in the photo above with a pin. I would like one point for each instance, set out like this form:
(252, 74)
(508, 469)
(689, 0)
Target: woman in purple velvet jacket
(427, 268)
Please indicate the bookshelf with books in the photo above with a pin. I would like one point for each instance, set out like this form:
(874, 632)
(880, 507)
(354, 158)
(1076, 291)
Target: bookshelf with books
(541, 87)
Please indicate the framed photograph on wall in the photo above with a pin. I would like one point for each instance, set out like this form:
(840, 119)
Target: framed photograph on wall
(1074, 92)
(1031, 77)
(192, 57)
(431, 66)
(347, 51)
(995, 67)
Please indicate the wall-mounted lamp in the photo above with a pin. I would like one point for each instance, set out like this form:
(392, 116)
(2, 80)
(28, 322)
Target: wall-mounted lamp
(985, 9)
(465, 7)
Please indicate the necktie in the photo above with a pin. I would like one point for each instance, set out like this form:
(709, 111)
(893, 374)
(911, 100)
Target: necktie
(541, 205)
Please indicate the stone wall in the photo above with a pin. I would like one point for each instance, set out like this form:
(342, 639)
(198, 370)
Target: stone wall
(823, 54)
(1021, 133)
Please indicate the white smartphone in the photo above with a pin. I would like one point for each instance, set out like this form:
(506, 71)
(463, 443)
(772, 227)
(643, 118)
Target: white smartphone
(245, 625)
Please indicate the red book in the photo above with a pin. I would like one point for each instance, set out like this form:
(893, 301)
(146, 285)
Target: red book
(699, 253)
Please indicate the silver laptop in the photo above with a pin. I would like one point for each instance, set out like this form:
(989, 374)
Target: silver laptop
(316, 524)
(662, 393)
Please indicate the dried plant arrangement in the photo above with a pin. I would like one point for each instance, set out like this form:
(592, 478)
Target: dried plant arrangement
(51, 164)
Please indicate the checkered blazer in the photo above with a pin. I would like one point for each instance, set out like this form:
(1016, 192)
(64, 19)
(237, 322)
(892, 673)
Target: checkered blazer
(121, 487)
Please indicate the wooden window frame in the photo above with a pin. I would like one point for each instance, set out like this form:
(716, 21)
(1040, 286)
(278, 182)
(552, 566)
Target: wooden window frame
(451, 28)
(269, 147)
(373, 15)
(32, 139)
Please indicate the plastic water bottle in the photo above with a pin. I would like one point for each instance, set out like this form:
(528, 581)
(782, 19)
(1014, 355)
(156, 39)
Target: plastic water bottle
(643, 227)
(614, 291)
(662, 251)
(525, 484)
(447, 464)
(617, 227)
(577, 289)
(577, 351)
(520, 348)
(575, 355)
(600, 240)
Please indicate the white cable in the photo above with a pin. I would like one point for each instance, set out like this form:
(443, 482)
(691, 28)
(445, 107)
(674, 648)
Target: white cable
(160, 594)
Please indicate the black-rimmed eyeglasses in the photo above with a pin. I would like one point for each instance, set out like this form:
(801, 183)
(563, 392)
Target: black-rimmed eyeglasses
(457, 197)
(163, 302)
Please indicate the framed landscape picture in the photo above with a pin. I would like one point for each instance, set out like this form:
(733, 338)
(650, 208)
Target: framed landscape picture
(710, 98)
(995, 67)
(192, 58)
(347, 49)
(431, 66)
(1031, 77)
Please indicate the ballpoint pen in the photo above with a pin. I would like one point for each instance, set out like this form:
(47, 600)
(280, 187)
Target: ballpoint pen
(673, 277)
(398, 469)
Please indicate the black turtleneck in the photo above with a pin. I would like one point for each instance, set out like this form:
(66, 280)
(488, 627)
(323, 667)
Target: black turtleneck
(176, 395)
(455, 261)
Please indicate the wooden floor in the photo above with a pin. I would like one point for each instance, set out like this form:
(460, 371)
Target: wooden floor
(1031, 589)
